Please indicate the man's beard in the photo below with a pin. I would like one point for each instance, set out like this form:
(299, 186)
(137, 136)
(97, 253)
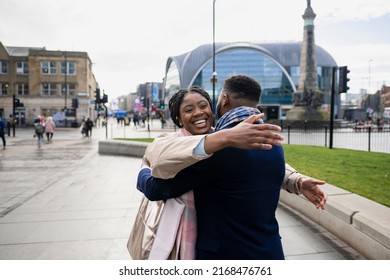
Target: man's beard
(219, 111)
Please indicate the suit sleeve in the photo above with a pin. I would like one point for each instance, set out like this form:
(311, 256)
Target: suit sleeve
(170, 154)
(160, 189)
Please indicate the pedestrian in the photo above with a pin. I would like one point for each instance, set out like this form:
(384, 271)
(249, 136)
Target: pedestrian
(39, 129)
(2, 131)
(88, 127)
(135, 120)
(192, 122)
(49, 129)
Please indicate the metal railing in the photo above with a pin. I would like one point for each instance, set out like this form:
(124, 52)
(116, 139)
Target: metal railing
(369, 138)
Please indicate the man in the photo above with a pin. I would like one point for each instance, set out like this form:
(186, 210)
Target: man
(236, 191)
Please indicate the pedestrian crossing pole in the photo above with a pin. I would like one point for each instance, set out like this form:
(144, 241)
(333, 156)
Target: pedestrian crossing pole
(13, 114)
(332, 94)
(104, 100)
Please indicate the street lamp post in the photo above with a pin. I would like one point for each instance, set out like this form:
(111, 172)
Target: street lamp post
(13, 115)
(65, 85)
(369, 75)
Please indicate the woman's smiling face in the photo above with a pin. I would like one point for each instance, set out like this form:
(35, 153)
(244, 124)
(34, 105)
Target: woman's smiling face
(195, 114)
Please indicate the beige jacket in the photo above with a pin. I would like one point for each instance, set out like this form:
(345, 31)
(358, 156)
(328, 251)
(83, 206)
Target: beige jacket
(170, 154)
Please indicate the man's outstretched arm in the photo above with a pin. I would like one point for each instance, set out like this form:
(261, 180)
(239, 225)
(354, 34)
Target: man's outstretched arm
(295, 182)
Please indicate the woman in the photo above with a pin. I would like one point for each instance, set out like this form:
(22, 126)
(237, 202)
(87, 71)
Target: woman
(49, 129)
(39, 124)
(191, 111)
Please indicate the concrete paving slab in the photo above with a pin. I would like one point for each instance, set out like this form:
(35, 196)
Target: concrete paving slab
(62, 230)
(77, 250)
(22, 251)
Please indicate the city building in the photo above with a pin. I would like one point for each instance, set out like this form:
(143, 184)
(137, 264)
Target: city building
(296, 77)
(385, 96)
(48, 83)
(147, 96)
(276, 66)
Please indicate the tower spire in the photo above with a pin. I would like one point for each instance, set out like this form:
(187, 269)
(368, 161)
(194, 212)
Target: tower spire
(308, 98)
(308, 63)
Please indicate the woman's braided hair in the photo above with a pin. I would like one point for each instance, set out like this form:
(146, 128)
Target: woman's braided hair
(177, 99)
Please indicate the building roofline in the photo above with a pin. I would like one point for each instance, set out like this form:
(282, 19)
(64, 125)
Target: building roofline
(284, 53)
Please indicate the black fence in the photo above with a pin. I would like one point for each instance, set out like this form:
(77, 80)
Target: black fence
(345, 135)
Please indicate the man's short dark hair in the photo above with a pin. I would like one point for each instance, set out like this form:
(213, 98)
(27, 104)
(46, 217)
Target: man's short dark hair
(242, 87)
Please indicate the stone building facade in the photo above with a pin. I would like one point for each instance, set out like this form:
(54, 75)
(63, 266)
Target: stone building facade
(46, 82)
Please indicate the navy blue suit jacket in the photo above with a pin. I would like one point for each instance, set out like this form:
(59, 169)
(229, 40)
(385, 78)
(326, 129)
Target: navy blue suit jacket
(236, 195)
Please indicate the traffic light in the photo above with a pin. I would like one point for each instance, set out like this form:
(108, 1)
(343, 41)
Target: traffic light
(343, 79)
(104, 99)
(97, 96)
(162, 105)
(17, 102)
(75, 103)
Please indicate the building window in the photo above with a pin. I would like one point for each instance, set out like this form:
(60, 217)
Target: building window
(22, 89)
(3, 67)
(294, 74)
(68, 68)
(172, 84)
(275, 84)
(71, 89)
(49, 67)
(22, 67)
(4, 89)
(49, 89)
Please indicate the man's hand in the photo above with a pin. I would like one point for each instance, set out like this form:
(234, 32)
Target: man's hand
(248, 135)
(310, 189)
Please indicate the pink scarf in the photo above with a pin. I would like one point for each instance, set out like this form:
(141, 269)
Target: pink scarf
(186, 235)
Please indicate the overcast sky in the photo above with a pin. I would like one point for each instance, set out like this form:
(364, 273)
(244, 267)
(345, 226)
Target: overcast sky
(129, 41)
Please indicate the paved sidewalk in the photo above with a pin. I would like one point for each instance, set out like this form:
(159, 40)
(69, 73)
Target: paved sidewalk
(65, 201)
